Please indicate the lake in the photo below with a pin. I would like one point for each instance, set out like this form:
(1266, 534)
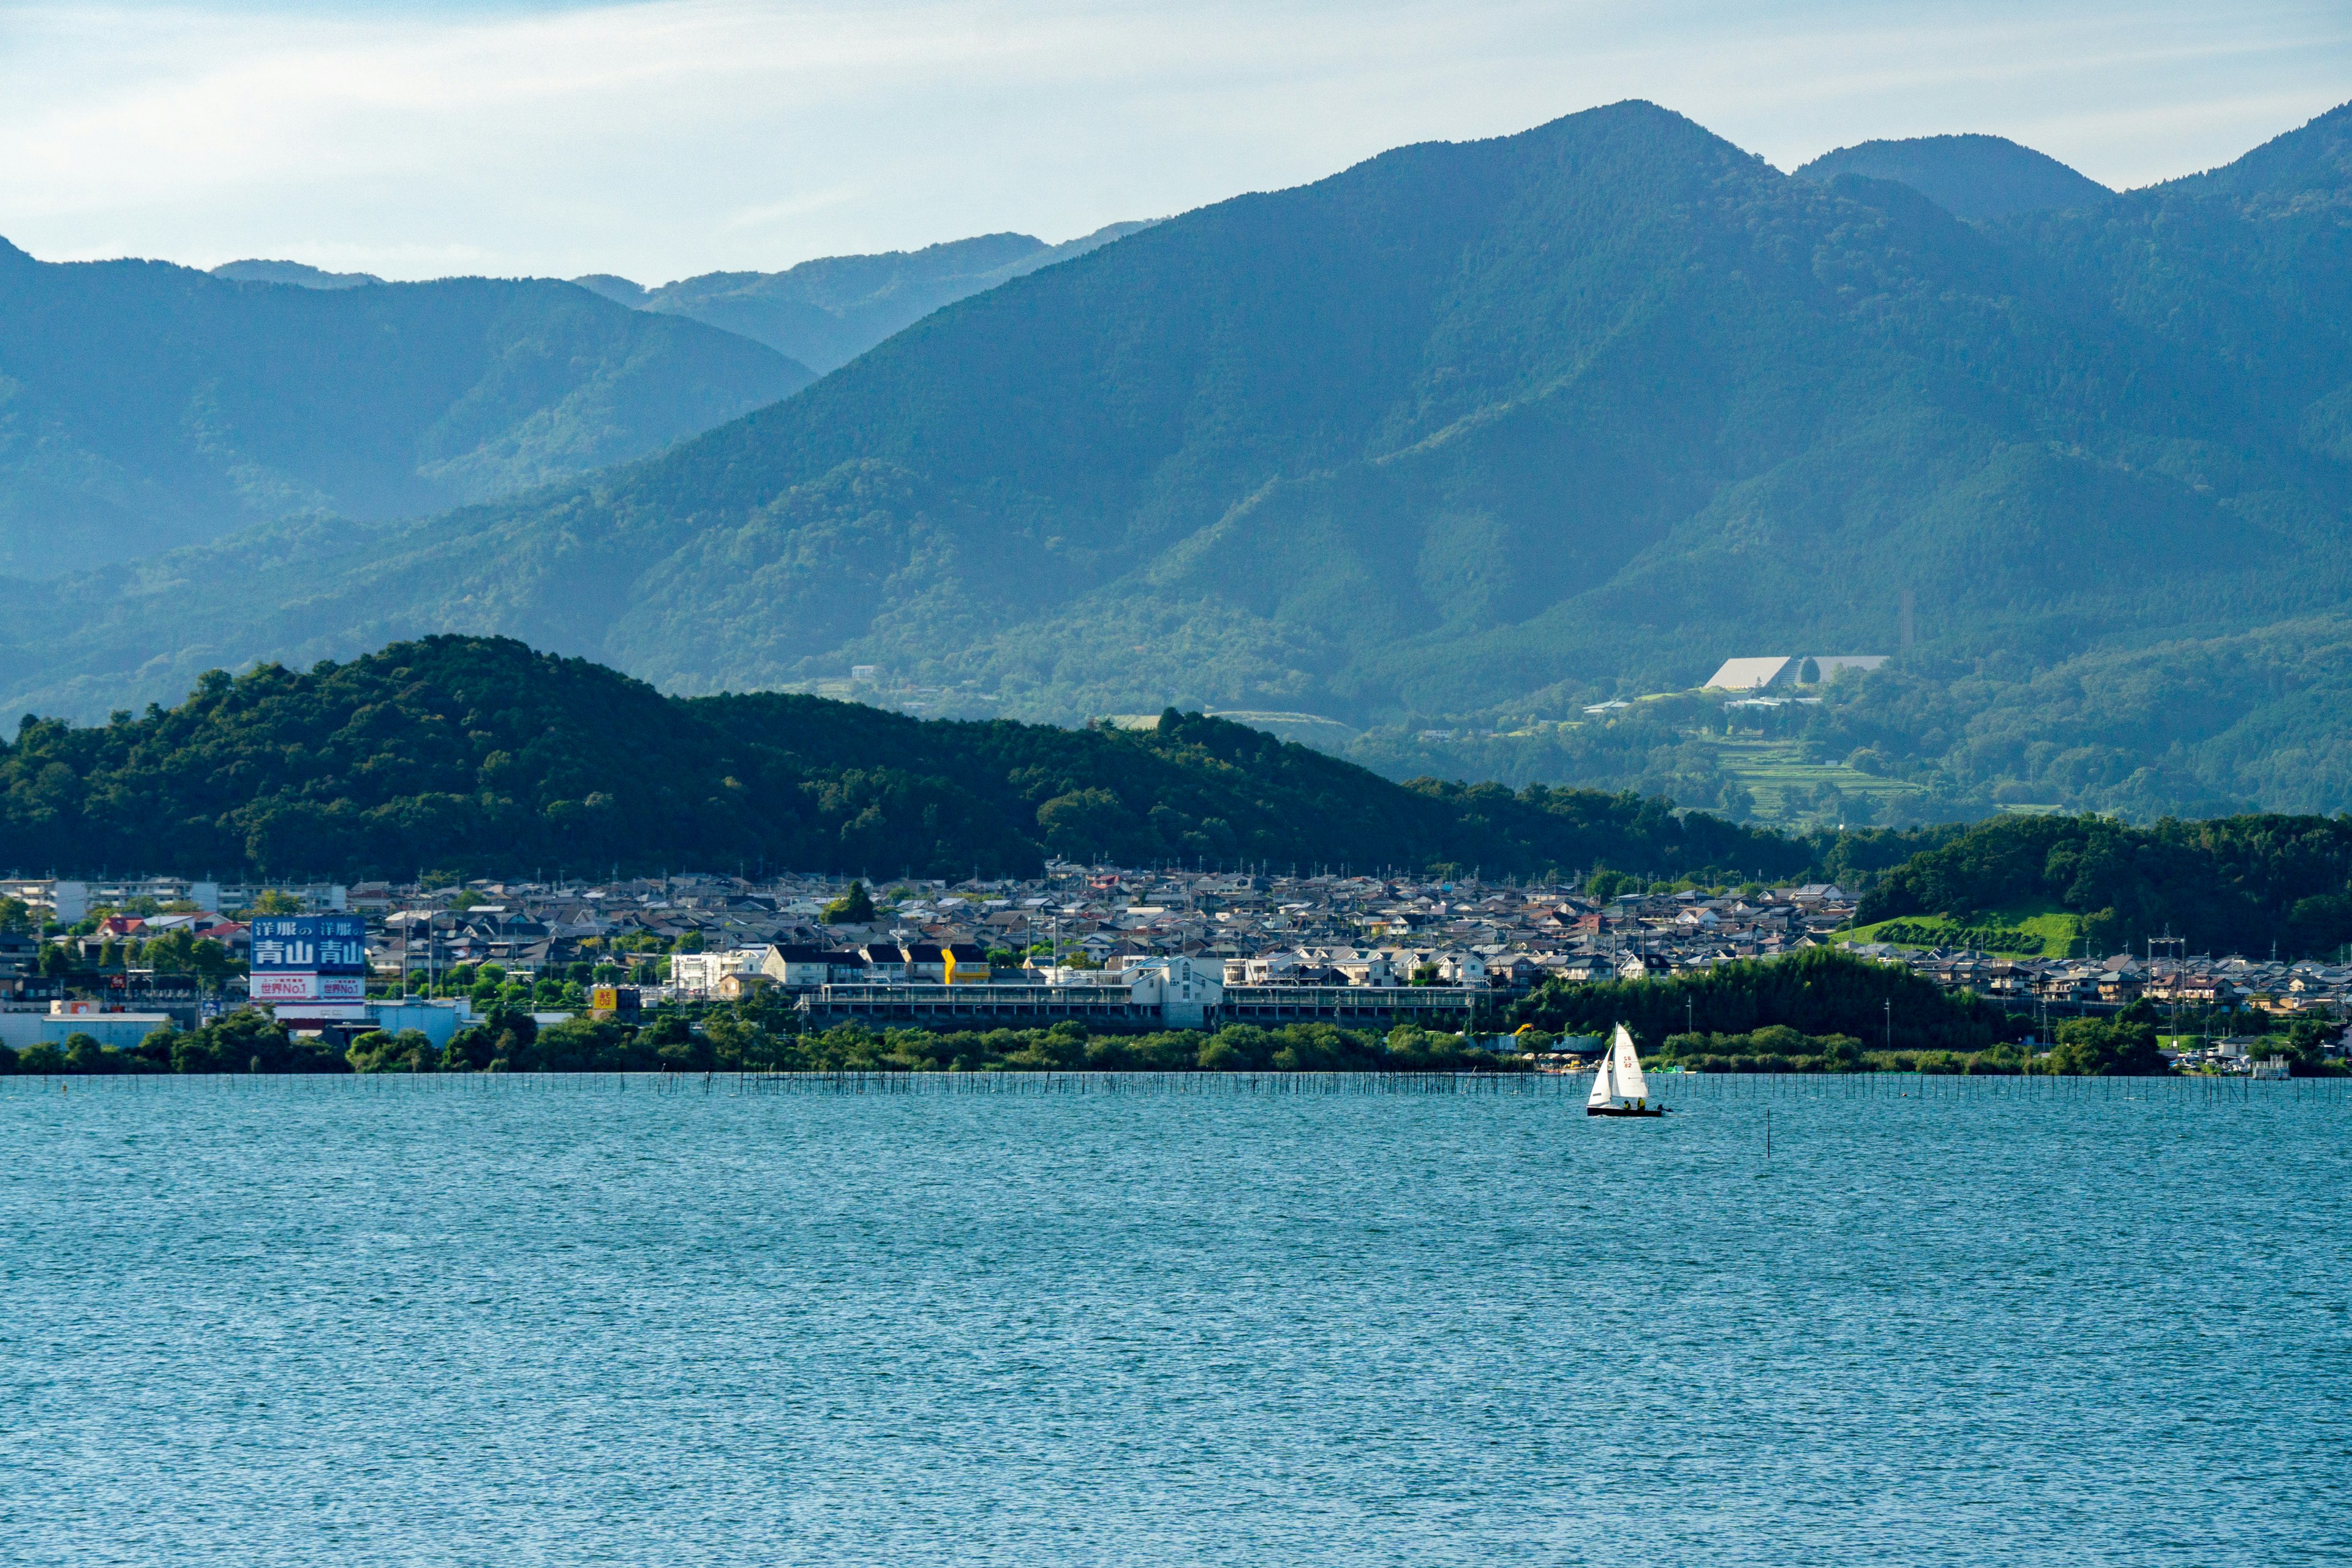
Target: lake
(589, 1321)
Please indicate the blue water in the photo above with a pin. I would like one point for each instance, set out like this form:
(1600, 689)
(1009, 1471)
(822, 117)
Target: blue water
(491, 1322)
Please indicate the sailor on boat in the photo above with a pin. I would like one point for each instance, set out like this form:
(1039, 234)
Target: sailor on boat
(1618, 1088)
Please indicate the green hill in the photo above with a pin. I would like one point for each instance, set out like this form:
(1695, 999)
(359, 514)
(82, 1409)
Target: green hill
(1477, 429)
(2228, 885)
(145, 406)
(827, 312)
(1973, 177)
(478, 754)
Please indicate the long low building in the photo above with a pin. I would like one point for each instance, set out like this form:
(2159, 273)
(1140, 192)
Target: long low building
(1275, 1005)
(1165, 993)
(977, 1006)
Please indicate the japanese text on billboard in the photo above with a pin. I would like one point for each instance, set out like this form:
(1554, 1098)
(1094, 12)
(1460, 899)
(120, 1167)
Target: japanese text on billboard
(313, 944)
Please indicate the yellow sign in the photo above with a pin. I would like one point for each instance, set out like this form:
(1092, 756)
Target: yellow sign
(604, 999)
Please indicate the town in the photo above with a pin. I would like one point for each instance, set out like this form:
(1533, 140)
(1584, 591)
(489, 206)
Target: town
(1106, 947)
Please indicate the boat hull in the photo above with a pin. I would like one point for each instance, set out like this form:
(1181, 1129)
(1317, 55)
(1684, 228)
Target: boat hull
(1624, 1111)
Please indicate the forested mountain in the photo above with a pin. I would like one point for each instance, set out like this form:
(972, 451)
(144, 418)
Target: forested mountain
(145, 406)
(478, 755)
(1480, 429)
(1973, 177)
(827, 312)
(296, 272)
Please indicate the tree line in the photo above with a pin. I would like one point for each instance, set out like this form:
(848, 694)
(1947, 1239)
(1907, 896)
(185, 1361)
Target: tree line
(1824, 1010)
(478, 756)
(1819, 992)
(754, 1039)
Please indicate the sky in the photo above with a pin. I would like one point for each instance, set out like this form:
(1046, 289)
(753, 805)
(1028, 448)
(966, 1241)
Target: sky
(665, 138)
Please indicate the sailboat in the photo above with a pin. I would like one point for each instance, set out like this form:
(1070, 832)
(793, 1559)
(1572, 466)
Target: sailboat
(1619, 1088)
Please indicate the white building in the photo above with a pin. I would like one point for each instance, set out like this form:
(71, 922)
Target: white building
(699, 973)
(1183, 990)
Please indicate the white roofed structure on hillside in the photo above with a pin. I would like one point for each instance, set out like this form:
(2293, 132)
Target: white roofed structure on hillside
(1754, 674)
(1788, 669)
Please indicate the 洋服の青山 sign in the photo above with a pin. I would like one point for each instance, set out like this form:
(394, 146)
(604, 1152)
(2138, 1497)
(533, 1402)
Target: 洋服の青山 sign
(308, 945)
(308, 958)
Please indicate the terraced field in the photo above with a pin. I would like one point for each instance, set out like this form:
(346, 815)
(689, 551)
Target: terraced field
(1786, 786)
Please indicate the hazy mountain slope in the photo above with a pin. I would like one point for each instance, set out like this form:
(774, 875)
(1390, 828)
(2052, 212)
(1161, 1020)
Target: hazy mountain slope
(2311, 164)
(299, 273)
(144, 406)
(827, 312)
(1973, 177)
(1464, 427)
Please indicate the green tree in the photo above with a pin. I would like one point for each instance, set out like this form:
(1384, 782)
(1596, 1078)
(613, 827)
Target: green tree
(471, 1049)
(2105, 1048)
(854, 907)
(380, 1051)
(83, 1054)
(2306, 1051)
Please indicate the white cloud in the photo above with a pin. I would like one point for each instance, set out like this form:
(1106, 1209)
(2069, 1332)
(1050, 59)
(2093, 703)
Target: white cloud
(676, 136)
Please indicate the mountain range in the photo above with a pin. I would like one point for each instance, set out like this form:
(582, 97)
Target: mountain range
(827, 312)
(144, 406)
(1483, 429)
(1973, 177)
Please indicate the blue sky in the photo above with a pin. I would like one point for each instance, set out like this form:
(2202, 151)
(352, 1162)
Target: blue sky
(670, 137)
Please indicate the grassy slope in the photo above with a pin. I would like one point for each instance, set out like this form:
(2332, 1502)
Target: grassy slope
(2045, 932)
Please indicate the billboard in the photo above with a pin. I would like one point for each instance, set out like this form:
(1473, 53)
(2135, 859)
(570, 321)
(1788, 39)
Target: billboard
(307, 944)
(281, 986)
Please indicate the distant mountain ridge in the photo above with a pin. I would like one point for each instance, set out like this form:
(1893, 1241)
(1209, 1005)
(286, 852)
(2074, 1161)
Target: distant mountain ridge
(1973, 177)
(827, 312)
(2312, 164)
(145, 406)
(1468, 428)
(303, 275)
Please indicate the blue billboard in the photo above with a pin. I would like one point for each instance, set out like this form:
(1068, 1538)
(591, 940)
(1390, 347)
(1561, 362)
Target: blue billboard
(308, 945)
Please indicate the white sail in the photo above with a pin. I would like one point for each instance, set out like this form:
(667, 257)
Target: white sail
(1626, 1068)
(1601, 1093)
